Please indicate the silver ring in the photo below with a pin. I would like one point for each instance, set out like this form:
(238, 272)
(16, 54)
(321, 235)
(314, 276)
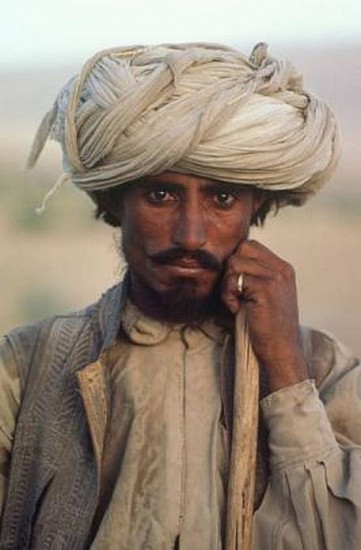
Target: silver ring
(240, 283)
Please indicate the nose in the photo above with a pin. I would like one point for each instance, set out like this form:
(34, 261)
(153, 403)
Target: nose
(189, 227)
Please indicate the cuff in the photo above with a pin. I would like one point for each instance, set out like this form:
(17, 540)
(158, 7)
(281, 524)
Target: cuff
(298, 426)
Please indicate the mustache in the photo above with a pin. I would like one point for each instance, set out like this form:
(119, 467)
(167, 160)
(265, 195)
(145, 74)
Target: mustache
(202, 257)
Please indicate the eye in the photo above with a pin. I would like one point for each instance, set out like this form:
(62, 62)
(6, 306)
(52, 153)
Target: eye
(224, 199)
(159, 196)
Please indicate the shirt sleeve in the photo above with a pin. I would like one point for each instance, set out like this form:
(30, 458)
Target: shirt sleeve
(9, 407)
(313, 499)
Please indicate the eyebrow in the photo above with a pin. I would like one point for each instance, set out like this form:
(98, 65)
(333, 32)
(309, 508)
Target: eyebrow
(211, 187)
(225, 187)
(149, 185)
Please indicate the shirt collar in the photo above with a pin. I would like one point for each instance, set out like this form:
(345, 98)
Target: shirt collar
(144, 330)
(141, 329)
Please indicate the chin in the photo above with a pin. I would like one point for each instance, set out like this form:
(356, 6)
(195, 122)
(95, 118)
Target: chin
(188, 285)
(186, 300)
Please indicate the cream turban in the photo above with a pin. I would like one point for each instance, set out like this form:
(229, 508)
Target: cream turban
(202, 109)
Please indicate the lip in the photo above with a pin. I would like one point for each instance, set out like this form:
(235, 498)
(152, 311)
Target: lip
(183, 270)
(183, 267)
(186, 263)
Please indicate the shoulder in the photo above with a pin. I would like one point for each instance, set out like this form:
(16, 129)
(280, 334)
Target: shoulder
(61, 334)
(337, 374)
(19, 346)
(328, 358)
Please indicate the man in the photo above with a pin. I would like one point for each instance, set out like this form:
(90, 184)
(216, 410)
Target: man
(116, 422)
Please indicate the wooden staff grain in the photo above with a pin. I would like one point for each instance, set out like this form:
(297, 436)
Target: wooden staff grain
(241, 483)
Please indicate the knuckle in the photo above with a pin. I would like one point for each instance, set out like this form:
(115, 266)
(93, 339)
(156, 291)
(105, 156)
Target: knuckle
(273, 283)
(288, 271)
(250, 242)
(247, 246)
(284, 275)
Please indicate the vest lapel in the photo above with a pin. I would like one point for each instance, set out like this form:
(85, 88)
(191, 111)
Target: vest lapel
(94, 394)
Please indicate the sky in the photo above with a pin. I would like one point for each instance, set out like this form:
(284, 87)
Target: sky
(43, 32)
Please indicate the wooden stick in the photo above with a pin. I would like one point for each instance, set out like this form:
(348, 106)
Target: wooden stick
(242, 475)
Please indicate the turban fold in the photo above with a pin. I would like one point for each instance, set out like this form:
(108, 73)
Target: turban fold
(200, 108)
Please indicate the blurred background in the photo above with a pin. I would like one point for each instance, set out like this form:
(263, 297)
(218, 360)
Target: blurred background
(64, 259)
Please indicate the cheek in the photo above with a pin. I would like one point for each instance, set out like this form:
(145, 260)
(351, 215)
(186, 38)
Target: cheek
(227, 233)
(144, 233)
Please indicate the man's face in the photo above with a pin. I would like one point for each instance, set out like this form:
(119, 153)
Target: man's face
(178, 231)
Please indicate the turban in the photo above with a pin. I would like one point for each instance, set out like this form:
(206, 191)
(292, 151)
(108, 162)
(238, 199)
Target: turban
(202, 109)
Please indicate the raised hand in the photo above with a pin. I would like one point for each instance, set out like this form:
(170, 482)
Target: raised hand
(270, 297)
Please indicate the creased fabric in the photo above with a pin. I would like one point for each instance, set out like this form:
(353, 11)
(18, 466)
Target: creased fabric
(203, 109)
(313, 500)
(168, 475)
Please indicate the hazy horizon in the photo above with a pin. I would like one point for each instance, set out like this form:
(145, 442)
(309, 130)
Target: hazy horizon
(36, 32)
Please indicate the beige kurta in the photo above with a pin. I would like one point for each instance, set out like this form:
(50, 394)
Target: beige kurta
(166, 421)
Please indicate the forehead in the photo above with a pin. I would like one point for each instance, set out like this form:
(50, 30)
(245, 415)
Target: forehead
(188, 181)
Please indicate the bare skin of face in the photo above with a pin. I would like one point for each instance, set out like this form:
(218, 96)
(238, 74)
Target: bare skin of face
(185, 239)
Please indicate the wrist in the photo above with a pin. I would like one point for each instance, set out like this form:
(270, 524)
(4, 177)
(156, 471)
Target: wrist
(282, 374)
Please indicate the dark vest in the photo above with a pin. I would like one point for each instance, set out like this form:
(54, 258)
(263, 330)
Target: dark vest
(53, 480)
(52, 488)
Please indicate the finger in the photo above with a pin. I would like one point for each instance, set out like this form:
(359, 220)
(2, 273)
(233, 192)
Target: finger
(262, 256)
(241, 266)
(254, 250)
(260, 282)
(238, 265)
(250, 284)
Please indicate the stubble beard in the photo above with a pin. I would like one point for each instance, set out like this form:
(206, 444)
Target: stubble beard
(182, 303)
